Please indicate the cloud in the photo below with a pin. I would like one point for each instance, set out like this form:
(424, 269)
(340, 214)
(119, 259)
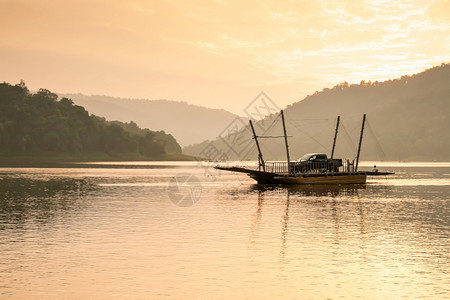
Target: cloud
(198, 49)
(439, 10)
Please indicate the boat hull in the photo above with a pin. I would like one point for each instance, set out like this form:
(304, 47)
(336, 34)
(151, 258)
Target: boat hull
(323, 179)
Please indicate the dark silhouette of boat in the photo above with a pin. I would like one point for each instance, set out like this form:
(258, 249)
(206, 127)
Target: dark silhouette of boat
(316, 168)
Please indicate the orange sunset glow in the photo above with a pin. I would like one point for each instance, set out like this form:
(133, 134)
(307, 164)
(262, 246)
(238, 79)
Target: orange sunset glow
(218, 53)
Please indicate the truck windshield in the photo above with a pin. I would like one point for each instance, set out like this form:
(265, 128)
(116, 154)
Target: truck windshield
(310, 155)
(305, 157)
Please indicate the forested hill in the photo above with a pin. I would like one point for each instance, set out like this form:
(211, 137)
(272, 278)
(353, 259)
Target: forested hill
(188, 123)
(407, 119)
(41, 125)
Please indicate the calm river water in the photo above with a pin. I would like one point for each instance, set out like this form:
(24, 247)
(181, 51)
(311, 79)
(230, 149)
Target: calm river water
(173, 230)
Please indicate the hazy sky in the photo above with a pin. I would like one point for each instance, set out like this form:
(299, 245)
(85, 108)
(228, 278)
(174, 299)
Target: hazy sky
(217, 53)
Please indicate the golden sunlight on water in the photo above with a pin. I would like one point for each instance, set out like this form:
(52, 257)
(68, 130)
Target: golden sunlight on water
(113, 232)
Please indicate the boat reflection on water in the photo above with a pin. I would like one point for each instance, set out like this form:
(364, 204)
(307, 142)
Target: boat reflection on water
(316, 197)
(311, 190)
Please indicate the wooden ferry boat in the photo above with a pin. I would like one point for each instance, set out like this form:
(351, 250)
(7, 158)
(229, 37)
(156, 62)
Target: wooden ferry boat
(317, 169)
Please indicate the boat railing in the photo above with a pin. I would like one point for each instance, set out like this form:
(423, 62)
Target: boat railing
(316, 167)
(348, 166)
(311, 167)
(276, 166)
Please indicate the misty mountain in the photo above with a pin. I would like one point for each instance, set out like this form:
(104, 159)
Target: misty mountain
(188, 123)
(407, 119)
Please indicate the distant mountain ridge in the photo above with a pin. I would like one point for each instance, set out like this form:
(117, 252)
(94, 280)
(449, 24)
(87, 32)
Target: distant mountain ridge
(188, 123)
(408, 119)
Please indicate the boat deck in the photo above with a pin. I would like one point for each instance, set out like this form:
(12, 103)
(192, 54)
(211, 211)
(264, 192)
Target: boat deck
(306, 178)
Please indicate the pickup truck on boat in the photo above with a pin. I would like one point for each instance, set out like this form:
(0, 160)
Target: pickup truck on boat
(316, 162)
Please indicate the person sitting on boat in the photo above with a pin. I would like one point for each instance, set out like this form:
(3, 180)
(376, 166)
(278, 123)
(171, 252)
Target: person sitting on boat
(374, 169)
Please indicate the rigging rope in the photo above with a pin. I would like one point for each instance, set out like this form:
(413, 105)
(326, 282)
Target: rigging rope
(253, 148)
(380, 151)
(299, 125)
(309, 135)
(347, 135)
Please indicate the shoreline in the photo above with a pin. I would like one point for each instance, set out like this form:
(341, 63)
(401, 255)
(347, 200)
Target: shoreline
(68, 159)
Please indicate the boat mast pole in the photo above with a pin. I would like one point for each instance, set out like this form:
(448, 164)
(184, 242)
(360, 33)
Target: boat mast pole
(286, 142)
(360, 142)
(335, 136)
(260, 157)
